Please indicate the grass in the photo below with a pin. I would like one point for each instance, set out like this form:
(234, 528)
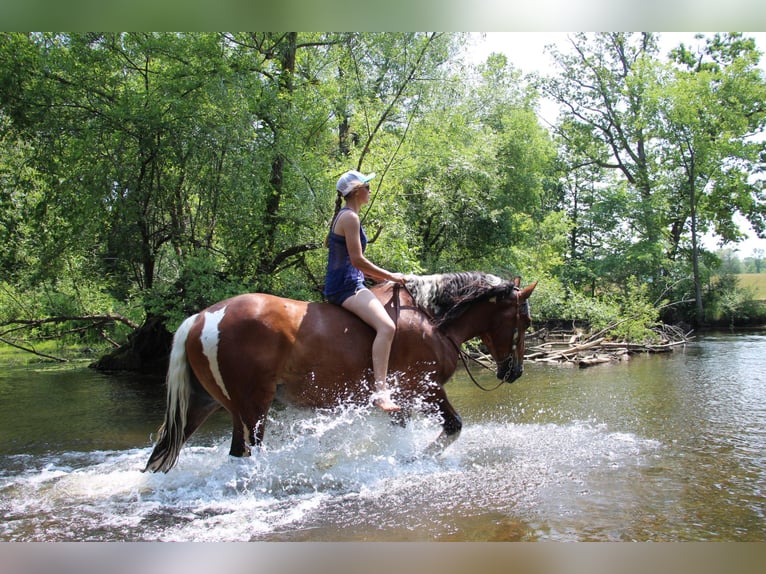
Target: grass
(754, 282)
(11, 356)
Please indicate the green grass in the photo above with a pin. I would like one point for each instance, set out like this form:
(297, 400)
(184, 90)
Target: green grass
(754, 282)
(11, 356)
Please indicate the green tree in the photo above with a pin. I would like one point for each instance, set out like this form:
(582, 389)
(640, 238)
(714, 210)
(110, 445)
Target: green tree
(596, 202)
(480, 186)
(757, 258)
(681, 138)
(152, 158)
(710, 106)
(115, 125)
(602, 90)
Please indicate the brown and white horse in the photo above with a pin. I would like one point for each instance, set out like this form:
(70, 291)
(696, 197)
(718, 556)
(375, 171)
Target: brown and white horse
(236, 353)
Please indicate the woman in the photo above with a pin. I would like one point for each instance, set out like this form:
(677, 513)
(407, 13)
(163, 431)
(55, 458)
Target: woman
(344, 281)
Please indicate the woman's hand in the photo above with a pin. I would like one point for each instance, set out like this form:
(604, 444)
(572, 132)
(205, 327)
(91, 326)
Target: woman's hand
(398, 278)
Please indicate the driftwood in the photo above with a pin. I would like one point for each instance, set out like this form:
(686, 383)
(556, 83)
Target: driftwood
(573, 348)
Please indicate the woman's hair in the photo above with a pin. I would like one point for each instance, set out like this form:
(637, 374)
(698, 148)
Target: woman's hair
(338, 205)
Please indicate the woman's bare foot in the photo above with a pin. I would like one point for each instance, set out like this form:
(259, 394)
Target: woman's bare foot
(382, 400)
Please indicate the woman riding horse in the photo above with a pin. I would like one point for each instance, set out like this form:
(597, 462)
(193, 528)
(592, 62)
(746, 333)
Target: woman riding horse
(236, 353)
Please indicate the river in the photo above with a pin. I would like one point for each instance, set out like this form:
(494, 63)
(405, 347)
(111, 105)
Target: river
(659, 448)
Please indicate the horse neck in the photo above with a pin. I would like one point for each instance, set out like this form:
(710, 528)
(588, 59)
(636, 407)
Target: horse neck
(471, 323)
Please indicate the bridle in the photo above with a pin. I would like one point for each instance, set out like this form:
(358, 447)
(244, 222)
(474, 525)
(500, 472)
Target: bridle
(465, 357)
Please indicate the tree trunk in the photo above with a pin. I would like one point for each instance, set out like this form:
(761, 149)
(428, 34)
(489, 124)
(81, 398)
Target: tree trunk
(276, 177)
(147, 350)
(700, 312)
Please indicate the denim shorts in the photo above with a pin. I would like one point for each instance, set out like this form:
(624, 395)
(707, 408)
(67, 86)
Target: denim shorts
(349, 291)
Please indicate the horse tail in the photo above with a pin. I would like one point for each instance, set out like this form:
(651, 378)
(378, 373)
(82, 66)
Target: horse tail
(179, 388)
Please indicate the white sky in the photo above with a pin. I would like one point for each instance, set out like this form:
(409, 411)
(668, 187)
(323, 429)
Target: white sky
(526, 51)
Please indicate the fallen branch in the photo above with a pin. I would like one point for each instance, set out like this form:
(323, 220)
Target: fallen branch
(96, 322)
(616, 324)
(29, 350)
(63, 319)
(576, 349)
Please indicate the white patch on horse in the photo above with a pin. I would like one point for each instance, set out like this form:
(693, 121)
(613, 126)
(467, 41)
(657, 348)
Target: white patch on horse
(209, 338)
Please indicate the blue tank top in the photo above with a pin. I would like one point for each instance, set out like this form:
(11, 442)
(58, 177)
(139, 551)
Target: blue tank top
(341, 275)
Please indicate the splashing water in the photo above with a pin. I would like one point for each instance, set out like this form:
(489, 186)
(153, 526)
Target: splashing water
(345, 474)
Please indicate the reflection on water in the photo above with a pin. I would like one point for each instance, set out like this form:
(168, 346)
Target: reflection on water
(668, 447)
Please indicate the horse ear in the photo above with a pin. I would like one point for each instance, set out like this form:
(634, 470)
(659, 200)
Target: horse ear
(527, 291)
(517, 281)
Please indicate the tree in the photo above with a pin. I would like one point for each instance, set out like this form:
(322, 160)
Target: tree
(595, 200)
(172, 169)
(479, 189)
(711, 105)
(603, 92)
(757, 259)
(117, 131)
(681, 136)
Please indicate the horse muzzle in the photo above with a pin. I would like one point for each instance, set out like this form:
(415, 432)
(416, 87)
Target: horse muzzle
(510, 370)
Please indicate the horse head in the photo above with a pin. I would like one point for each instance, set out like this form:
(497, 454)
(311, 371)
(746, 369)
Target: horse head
(505, 337)
(500, 318)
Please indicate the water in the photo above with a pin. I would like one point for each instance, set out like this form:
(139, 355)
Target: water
(660, 448)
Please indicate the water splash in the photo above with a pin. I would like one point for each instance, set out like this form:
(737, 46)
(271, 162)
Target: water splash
(341, 474)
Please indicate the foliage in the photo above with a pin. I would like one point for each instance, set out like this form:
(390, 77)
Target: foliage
(734, 304)
(198, 285)
(151, 174)
(63, 302)
(606, 156)
(624, 315)
(680, 137)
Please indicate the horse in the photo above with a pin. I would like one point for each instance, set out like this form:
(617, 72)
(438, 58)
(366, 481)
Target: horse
(237, 353)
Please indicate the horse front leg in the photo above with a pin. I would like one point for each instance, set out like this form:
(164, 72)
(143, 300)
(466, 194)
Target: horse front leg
(451, 426)
(401, 418)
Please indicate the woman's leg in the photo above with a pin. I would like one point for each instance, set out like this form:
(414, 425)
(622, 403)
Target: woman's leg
(370, 310)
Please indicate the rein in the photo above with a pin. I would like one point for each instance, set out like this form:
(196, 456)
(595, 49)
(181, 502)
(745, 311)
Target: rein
(463, 357)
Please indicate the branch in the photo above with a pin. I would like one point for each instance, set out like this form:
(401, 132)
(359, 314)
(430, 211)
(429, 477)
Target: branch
(64, 319)
(97, 321)
(292, 251)
(616, 324)
(28, 350)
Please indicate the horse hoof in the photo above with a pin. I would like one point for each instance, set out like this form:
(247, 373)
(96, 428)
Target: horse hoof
(240, 453)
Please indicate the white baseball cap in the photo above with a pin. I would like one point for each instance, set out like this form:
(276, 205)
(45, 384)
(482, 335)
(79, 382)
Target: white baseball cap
(351, 179)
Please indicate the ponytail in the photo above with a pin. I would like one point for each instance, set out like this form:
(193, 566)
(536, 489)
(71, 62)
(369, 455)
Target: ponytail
(338, 204)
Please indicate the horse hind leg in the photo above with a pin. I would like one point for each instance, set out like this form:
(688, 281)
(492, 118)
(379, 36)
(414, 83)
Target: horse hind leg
(198, 406)
(201, 406)
(246, 432)
(249, 421)
(239, 447)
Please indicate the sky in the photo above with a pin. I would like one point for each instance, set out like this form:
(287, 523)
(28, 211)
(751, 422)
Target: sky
(526, 51)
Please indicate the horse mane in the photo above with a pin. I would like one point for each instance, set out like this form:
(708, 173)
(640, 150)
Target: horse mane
(446, 296)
